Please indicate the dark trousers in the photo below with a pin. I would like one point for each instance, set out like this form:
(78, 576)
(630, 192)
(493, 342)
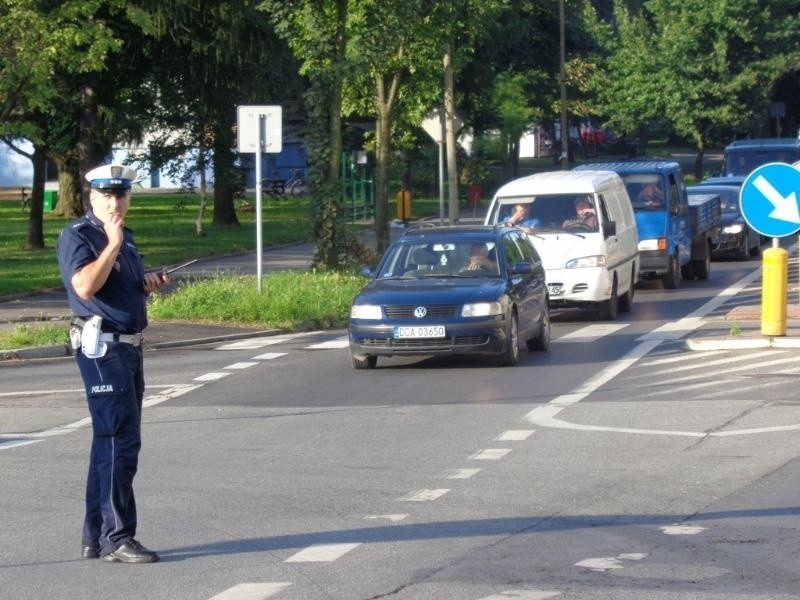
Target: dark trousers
(114, 390)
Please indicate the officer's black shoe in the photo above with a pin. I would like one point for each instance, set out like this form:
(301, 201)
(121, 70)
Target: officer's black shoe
(90, 552)
(131, 552)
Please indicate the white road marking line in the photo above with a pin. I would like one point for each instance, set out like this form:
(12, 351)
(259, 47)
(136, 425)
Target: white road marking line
(322, 552)
(241, 365)
(60, 391)
(424, 495)
(173, 392)
(251, 591)
(7, 444)
(393, 518)
(461, 473)
(608, 563)
(682, 529)
(757, 385)
(691, 357)
(706, 365)
(211, 376)
(591, 332)
(257, 342)
(269, 355)
(514, 435)
(490, 454)
(683, 381)
(523, 595)
(340, 342)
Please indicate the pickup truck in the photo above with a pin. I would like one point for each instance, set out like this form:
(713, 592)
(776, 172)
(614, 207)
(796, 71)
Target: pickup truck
(675, 233)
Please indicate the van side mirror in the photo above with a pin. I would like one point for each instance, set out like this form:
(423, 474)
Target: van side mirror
(609, 229)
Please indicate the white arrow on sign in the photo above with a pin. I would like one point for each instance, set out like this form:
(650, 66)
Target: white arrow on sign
(785, 207)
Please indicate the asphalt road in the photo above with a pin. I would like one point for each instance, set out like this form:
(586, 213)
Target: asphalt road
(617, 465)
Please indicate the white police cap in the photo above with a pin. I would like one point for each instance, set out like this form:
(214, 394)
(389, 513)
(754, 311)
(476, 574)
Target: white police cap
(111, 177)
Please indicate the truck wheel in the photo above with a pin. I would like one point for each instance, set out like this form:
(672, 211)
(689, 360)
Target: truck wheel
(609, 308)
(672, 278)
(702, 267)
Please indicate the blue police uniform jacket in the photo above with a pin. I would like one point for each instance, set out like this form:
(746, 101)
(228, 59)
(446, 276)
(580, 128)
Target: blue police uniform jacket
(121, 302)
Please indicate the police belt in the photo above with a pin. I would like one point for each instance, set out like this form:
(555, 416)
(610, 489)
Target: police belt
(134, 339)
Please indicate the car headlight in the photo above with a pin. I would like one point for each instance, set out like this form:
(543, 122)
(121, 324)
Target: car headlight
(737, 228)
(586, 261)
(482, 309)
(653, 244)
(366, 311)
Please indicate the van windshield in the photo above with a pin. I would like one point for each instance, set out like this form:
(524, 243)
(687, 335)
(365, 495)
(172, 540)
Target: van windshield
(551, 213)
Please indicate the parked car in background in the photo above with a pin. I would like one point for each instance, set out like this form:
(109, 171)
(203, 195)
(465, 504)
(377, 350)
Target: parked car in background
(450, 291)
(733, 237)
(742, 156)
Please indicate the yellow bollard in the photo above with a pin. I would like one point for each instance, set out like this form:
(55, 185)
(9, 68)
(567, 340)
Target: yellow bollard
(404, 205)
(774, 276)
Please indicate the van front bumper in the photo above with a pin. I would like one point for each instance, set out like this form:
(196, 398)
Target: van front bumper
(575, 287)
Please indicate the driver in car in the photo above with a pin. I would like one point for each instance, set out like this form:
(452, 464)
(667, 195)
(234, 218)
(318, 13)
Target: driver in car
(585, 216)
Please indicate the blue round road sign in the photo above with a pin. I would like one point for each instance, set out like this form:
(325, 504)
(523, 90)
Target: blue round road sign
(768, 199)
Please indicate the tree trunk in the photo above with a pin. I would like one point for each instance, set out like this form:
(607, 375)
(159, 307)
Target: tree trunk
(450, 138)
(201, 211)
(89, 151)
(224, 210)
(69, 202)
(35, 239)
(698, 159)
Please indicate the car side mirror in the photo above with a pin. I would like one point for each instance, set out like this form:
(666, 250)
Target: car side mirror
(366, 271)
(609, 229)
(520, 268)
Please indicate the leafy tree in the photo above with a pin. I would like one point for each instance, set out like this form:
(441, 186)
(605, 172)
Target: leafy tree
(55, 55)
(707, 66)
(209, 59)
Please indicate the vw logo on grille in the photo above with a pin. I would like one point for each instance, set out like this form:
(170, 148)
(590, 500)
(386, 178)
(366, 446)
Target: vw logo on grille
(420, 312)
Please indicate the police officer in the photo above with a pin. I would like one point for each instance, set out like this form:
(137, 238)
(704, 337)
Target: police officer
(107, 286)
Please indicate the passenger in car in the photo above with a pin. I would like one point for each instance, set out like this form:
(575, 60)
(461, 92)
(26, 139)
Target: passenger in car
(521, 217)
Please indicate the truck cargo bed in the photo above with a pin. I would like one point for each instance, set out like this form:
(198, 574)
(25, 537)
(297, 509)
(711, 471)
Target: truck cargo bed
(704, 212)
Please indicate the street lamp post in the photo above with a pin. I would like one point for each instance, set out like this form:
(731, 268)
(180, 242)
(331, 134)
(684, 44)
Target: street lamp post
(563, 81)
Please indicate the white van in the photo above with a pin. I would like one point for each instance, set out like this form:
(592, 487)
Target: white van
(590, 264)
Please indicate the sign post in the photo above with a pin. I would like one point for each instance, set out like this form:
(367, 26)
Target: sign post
(768, 202)
(434, 127)
(258, 130)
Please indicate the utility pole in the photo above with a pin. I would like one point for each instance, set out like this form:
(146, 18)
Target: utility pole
(563, 81)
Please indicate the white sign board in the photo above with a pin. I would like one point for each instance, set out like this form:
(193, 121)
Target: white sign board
(259, 125)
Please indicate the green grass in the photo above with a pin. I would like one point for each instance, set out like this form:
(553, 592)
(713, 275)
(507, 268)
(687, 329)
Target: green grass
(33, 335)
(292, 301)
(164, 229)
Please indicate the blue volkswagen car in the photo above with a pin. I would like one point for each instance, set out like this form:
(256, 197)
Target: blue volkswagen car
(476, 290)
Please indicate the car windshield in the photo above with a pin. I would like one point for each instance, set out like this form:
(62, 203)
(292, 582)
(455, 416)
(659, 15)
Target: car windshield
(457, 258)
